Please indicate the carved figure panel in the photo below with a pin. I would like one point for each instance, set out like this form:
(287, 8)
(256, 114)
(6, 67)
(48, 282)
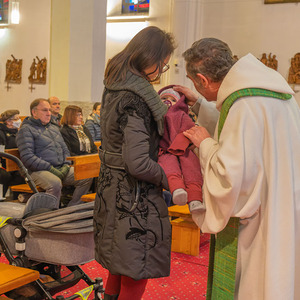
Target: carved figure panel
(270, 61)
(294, 71)
(38, 71)
(13, 70)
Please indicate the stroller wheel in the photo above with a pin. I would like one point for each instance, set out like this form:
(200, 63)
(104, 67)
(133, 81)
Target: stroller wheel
(18, 262)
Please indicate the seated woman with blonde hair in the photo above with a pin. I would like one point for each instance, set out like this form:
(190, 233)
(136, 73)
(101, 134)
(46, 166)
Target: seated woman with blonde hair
(76, 136)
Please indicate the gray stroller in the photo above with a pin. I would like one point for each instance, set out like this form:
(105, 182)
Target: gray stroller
(40, 236)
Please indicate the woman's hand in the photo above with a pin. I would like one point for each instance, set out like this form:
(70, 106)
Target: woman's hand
(196, 134)
(191, 97)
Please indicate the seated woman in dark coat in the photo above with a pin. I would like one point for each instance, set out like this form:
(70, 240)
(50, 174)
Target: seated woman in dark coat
(93, 122)
(76, 136)
(10, 123)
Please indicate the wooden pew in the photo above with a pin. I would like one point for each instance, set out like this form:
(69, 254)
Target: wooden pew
(98, 144)
(88, 197)
(85, 166)
(12, 277)
(23, 117)
(11, 165)
(185, 233)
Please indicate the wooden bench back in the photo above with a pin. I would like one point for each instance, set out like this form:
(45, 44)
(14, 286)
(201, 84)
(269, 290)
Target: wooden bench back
(85, 166)
(23, 117)
(11, 165)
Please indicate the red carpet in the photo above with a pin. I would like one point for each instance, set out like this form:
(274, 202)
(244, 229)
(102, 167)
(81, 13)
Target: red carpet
(187, 280)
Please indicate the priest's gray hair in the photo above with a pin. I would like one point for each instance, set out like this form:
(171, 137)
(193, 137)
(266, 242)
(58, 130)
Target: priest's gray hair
(210, 57)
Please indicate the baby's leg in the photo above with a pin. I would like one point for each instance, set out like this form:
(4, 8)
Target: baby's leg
(193, 180)
(170, 164)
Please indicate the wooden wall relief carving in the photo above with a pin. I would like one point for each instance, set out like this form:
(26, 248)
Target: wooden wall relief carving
(38, 71)
(13, 71)
(270, 61)
(294, 71)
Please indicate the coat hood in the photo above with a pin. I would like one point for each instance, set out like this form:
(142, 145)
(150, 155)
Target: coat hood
(33, 121)
(249, 72)
(145, 90)
(93, 118)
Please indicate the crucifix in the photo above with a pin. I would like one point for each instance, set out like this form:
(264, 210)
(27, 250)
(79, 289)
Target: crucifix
(7, 86)
(31, 88)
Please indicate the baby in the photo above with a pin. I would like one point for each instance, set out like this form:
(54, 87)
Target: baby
(180, 164)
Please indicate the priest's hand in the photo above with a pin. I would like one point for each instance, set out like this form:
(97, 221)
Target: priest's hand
(197, 134)
(191, 97)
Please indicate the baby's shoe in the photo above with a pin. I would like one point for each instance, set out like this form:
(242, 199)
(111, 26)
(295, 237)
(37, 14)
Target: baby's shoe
(179, 197)
(196, 206)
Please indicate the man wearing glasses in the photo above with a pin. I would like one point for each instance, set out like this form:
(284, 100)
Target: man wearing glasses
(43, 152)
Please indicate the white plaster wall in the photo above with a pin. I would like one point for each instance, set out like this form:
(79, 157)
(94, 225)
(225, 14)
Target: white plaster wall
(81, 37)
(87, 50)
(246, 25)
(119, 34)
(25, 41)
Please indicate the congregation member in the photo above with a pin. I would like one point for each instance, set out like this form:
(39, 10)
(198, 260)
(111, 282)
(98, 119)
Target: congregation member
(9, 124)
(43, 152)
(93, 122)
(55, 110)
(131, 223)
(76, 136)
(251, 175)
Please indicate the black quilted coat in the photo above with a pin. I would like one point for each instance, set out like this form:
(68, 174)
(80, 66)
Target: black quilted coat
(131, 223)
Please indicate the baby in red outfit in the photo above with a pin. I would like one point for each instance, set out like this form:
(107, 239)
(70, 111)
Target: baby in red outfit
(180, 164)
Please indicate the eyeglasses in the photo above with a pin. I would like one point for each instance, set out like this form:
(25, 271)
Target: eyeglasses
(44, 109)
(165, 68)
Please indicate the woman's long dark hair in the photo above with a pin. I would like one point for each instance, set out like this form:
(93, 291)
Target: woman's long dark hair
(151, 46)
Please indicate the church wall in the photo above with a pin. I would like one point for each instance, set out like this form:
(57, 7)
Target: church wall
(25, 41)
(246, 25)
(252, 26)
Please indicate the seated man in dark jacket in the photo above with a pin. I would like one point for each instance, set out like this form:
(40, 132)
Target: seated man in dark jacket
(43, 152)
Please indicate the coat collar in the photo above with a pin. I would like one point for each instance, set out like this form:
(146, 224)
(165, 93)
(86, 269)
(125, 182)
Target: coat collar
(145, 90)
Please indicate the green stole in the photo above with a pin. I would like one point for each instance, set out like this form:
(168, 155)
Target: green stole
(223, 248)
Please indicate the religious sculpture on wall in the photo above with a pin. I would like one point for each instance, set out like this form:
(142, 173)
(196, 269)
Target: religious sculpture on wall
(294, 71)
(13, 70)
(269, 61)
(38, 71)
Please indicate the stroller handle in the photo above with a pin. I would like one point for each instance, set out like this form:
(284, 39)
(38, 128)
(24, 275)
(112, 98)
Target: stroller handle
(22, 170)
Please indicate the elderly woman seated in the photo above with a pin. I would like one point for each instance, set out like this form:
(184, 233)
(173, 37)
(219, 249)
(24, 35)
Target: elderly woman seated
(76, 136)
(9, 125)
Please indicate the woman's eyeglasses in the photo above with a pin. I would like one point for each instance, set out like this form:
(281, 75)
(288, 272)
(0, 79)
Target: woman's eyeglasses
(164, 69)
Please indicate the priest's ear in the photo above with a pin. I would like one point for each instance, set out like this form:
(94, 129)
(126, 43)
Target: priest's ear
(204, 81)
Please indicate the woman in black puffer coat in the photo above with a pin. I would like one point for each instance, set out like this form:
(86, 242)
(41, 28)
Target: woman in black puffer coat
(131, 223)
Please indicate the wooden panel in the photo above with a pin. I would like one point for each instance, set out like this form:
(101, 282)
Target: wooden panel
(12, 277)
(181, 211)
(88, 197)
(85, 166)
(185, 237)
(11, 165)
(24, 188)
(98, 144)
